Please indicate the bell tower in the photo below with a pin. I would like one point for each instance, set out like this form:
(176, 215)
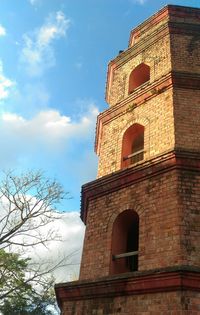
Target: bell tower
(141, 251)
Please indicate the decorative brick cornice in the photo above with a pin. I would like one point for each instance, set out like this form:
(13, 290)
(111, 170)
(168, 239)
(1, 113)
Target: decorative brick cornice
(148, 24)
(139, 96)
(150, 90)
(185, 80)
(169, 13)
(184, 13)
(132, 52)
(174, 79)
(166, 162)
(176, 20)
(184, 28)
(154, 281)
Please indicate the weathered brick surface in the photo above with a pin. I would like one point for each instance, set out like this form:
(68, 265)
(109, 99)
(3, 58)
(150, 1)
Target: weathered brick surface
(167, 200)
(168, 303)
(156, 115)
(187, 119)
(168, 208)
(169, 119)
(157, 56)
(185, 52)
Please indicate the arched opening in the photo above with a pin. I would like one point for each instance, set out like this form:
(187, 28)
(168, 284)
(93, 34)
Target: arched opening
(125, 240)
(139, 76)
(132, 145)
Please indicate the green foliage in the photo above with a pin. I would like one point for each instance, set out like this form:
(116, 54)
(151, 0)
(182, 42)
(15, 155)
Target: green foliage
(17, 295)
(12, 275)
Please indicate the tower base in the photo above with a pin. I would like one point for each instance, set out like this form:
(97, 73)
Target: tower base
(169, 291)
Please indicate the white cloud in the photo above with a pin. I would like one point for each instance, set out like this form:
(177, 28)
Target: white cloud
(13, 118)
(59, 144)
(71, 229)
(5, 84)
(48, 125)
(67, 233)
(48, 132)
(37, 52)
(2, 30)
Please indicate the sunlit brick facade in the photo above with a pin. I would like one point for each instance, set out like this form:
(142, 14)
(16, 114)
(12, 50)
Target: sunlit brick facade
(142, 244)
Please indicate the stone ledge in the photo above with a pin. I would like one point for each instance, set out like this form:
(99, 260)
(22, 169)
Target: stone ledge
(171, 80)
(159, 280)
(175, 159)
(169, 11)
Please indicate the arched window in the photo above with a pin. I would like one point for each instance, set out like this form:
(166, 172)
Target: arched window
(132, 145)
(139, 76)
(125, 239)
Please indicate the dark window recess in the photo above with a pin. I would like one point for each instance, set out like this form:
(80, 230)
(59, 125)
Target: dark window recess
(132, 246)
(125, 240)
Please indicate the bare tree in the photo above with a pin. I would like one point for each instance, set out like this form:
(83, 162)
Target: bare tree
(27, 209)
(28, 203)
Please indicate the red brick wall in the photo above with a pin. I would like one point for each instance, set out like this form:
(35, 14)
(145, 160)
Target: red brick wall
(168, 208)
(154, 111)
(187, 119)
(167, 200)
(156, 115)
(166, 303)
(170, 117)
(185, 52)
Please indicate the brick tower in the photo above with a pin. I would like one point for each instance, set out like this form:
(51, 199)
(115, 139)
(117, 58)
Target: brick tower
(142, 244)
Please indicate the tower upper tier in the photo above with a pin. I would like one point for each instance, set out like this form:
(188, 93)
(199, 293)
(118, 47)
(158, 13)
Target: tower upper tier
(153, 89)
(158, 44)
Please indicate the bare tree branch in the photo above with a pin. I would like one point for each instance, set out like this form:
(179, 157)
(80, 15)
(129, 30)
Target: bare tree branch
(27, 207)
(28, 201)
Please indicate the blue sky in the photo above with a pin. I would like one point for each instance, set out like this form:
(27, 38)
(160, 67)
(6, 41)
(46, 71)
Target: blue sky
(53, 63)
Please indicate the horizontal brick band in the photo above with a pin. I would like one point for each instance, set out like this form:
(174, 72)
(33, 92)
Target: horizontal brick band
(170, 279)
(164, 163)
(174, 79)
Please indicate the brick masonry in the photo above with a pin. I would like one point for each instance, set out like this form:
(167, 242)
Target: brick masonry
(163, 188)
(166, 198)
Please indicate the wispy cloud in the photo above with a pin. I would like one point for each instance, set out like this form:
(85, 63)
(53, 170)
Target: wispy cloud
(138, 1)
(29, 99)
(2, 30)
(34, 2)
(37, 52)
(48, 133)
(5, 84)
(49, 125)
(78, 65)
